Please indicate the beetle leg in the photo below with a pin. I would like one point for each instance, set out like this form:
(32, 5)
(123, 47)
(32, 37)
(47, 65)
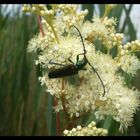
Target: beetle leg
(50, 62)
(70, 60)
(78, 56)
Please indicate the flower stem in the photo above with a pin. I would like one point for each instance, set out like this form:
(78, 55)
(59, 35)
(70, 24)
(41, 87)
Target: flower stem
(57, 120)
(63, 100)
(40, 25)
(53, 30)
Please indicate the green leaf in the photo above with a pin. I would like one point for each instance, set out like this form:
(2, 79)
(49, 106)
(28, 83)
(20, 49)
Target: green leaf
(51, 117)
(131, 30)
(101, 9)
(111, 125)
(90, 9)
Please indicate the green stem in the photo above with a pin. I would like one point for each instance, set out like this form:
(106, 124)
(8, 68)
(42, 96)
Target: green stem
(107, 10)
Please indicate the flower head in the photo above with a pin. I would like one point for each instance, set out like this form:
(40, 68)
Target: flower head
(83, 92)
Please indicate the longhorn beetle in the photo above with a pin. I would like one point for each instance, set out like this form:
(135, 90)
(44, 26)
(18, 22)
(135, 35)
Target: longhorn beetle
(72, 69)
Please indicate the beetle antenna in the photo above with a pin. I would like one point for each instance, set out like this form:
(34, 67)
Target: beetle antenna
(87, 60)
(81, 39)
(99, 78)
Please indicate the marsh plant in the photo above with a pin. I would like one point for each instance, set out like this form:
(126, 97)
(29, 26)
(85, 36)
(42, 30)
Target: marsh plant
(82, 93)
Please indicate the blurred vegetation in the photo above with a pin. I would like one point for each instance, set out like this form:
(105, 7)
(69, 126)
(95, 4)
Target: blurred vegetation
(25, 107)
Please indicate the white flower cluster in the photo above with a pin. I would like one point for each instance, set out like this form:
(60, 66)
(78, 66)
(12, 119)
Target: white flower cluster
(127, 61)
(70, 14)
(82, 93)
(104, 30)
(90, 130)
(134, 45)
(129, 64)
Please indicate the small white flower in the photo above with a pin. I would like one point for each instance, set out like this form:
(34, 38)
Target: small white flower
(66, 132)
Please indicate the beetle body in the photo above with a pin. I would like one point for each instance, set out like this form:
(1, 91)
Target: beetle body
(67, 70)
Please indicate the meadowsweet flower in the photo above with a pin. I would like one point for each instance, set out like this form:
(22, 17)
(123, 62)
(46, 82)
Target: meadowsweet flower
(104, 30)
(134, 46)
(90, 130)
(70, 14)
(129, 64)
(83, 93)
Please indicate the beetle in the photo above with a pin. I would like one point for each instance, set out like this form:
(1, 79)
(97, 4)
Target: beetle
(73, 68)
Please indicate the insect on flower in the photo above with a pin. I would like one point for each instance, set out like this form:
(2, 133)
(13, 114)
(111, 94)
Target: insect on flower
(73, 68)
